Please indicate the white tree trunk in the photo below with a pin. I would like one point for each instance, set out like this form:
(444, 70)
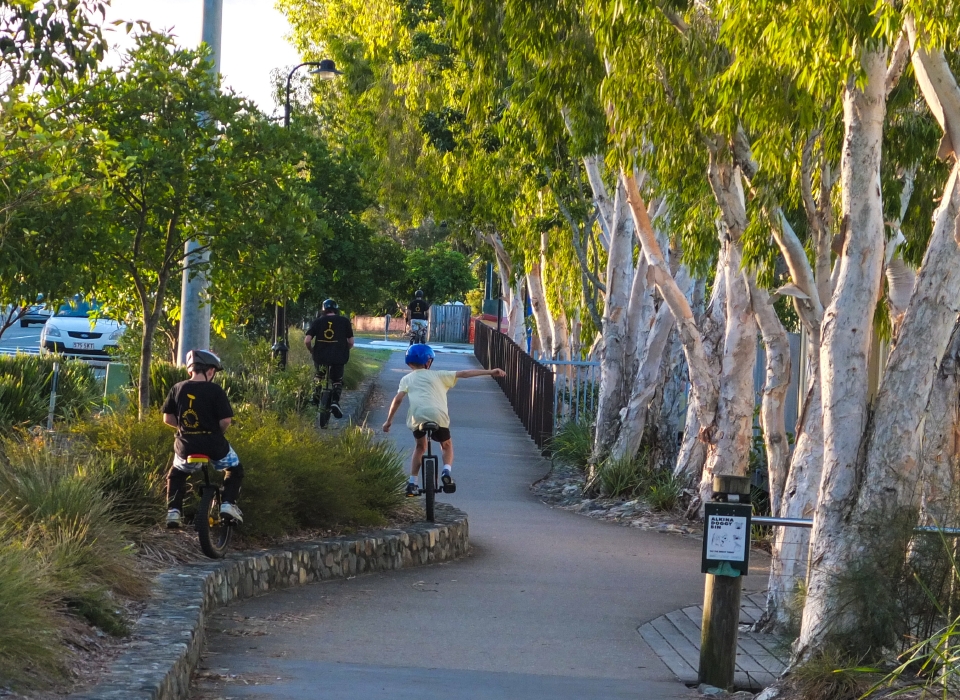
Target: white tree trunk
(940, 455)
(733, 431)
(634, 415)
(517, 329)
(541, 312)
(693, 449)
(703, 381)
(788, 565)
(612, 368)
(845, 350)
(775, 387)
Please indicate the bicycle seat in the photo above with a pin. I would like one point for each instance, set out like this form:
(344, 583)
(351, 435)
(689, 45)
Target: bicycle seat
(428, 427)
(197, 459)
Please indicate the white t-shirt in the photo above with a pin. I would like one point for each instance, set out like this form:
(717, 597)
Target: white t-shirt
(426, 390)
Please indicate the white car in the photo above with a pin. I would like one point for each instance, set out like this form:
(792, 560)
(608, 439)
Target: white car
(75, 330)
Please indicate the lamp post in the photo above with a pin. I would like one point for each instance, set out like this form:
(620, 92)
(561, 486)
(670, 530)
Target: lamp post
(325, 70)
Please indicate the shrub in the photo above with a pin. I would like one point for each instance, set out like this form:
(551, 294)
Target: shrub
(664, 490)
(573, 443)
(297, 478)
(620, 477)
(55, 499)
(26, 382)
(29, 644)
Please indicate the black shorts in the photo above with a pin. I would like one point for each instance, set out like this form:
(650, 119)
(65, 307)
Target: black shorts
(439, 435)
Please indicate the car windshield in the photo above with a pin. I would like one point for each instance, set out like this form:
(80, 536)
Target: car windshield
(80, 309)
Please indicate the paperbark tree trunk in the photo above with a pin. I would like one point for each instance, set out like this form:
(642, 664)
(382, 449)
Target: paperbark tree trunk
(703, 381)
(541, 312)
(693, 449)
(775, 387)
(735, 404)
(635, 413)
(940, 456)
(612, 367)
(845, 351)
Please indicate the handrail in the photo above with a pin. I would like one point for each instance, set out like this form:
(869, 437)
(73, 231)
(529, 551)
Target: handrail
(808, 522)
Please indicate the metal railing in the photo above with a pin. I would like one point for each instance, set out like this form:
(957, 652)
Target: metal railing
(528, 384)
(576, 389)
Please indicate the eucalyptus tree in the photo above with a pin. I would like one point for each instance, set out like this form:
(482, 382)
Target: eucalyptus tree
(182, 159)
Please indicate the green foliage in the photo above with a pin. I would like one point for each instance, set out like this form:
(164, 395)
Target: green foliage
(25, 384)
(620, 477)
(29, 646)
(573, 443)
(828, 677)
(442, 273)
(66, 517)
(297, 478)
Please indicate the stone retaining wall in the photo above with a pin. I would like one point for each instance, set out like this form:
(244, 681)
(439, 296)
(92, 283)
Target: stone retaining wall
(168, 637)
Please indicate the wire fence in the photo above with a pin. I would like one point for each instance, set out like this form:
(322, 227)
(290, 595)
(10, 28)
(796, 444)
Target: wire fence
(576, 390)
(528, 385)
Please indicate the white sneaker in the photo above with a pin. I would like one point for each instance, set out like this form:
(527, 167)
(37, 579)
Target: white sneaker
(231, 510)
(173, 519)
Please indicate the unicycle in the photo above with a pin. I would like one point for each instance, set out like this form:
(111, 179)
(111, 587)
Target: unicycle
(430, 473)
(325, 398)
(213, 528)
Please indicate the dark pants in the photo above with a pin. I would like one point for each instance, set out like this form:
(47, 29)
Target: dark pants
(177, 486)
(336, 382)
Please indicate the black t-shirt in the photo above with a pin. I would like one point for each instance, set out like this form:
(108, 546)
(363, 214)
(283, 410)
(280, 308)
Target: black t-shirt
(330, 334)
(419, 308)
(199, 408)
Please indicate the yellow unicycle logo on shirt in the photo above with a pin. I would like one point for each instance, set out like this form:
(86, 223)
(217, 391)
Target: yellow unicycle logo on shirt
(329, 333)
(190, 419)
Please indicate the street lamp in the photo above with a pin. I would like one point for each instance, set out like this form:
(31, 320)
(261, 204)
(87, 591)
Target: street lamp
(325, 70)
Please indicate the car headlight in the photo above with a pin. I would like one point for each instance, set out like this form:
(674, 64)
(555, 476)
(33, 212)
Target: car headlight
(52, 331)
(116, 334)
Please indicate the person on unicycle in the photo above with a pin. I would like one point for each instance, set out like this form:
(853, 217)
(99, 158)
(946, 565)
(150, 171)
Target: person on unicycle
(329, 340)
(418, 317)
(201, 413)
(427, 390)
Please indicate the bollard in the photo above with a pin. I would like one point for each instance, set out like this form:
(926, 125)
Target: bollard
(53, 395)
(726, 558)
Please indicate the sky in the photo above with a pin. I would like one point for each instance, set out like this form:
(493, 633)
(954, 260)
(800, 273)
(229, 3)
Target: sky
(253, 39)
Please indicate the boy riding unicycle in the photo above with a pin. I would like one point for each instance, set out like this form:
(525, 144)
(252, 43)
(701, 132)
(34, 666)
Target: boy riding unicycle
(427, 390)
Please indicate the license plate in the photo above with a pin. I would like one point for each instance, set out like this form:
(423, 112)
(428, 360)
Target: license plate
(83, 346)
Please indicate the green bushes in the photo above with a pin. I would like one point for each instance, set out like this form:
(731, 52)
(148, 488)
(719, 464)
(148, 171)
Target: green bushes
(297, 478)
(64, 546)
(25, 384)
(617, 478)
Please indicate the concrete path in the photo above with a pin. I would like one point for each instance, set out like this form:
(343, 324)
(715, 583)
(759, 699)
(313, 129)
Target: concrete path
(547, 606)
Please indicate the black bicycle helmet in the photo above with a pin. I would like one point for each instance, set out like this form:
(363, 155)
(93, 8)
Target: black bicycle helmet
(330, 305)
(202, 360)
(418, 294)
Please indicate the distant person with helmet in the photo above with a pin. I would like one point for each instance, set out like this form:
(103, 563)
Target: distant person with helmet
(329, 340)
(418, 316)
(201, 413)
(427, 390)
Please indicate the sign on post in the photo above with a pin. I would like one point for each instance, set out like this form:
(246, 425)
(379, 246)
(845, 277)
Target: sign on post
(726, 539)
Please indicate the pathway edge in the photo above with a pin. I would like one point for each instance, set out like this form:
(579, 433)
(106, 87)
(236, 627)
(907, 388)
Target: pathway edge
(168, 638)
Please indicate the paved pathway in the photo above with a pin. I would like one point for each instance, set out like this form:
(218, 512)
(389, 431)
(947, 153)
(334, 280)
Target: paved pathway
(546, 607)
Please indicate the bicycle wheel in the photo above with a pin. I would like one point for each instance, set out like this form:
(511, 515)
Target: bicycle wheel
(323, 413)
(429, 485)
(214, 532)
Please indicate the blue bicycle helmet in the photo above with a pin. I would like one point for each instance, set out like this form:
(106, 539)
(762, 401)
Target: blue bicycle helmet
(419, 354)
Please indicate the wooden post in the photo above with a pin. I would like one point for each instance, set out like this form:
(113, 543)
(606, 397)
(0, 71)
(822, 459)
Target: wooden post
(718, 636)
(721, 603)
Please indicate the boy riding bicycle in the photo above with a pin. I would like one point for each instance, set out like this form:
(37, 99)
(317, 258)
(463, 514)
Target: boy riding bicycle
(427, 390)
(201, 413)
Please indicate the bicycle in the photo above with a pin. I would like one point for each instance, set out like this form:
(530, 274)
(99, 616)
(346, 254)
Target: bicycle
(430, 473)
(323, 394)
(213, 529)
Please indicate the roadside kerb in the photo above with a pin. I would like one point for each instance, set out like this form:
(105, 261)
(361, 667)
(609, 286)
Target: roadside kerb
(168, 637)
